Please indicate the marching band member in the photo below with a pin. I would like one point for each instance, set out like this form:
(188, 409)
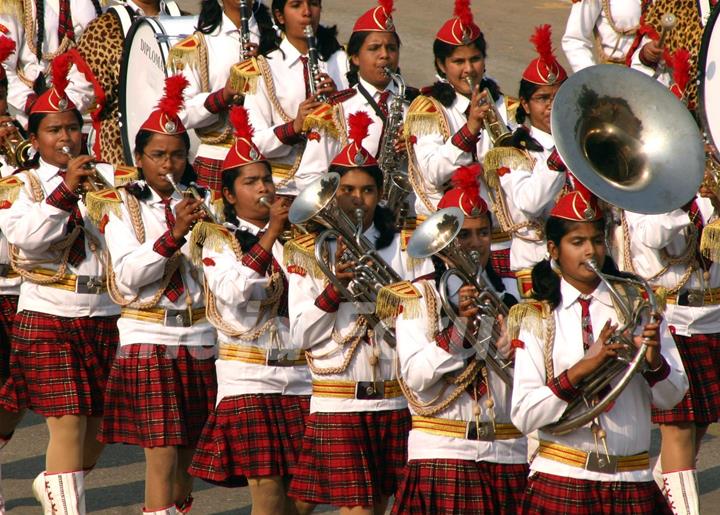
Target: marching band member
(42, 29)
(355, 442)
(600, 31)
(213, 86)
(280, 99)
(373, 46)
(256, 429)
(446, 447)
(162, 383)
(444, 127)
(666, 249)
(65, 334)
(565, 337)
(535, 175)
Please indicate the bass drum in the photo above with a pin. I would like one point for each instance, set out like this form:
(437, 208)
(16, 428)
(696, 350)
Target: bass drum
(143, 70)
(709, 81)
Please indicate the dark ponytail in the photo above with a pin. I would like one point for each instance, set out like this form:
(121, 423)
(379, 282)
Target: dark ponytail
(40, 13)
(210, 16)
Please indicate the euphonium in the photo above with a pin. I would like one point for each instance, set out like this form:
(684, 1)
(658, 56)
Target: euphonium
(437, 236)
(96, 182)
(493, 122)
(15, 149)
(313, 63)
(317, 203)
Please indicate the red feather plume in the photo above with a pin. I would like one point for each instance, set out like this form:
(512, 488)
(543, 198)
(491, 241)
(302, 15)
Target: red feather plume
(241, 123)
(7, 47)
(679, 61)
(466, 179)
(359, 123)
(60, 69)
(387, 5)
(542, 39)
(173, 100)
(463, 11)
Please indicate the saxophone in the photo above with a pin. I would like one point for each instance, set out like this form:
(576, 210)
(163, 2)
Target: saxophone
(396, 182)
(313, 64)
(244, 28)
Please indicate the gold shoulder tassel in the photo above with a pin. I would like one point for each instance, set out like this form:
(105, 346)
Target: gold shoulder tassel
(210, 235)
(300, 252)
(423, 118)
(393, 299)
(10, 189)
(100, 203)
(184, 53)
(710, 241)
(322, 119)
(529, 316)
(244, 76)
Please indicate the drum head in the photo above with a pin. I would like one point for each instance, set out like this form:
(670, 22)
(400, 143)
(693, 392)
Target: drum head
(709, 81)
(143, 72)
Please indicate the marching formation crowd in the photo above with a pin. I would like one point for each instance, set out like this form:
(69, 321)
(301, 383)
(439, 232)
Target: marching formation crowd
(324, 284)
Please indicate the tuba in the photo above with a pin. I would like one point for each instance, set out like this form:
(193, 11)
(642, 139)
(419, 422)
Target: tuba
(626, 153)
(436, 236)
(317, 203)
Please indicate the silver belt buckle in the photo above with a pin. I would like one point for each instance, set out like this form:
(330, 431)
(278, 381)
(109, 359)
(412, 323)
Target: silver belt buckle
(696, 298)
(484, 432)
(599, 462)
(4, 269)
(177, 318)
(90, 284)
(282, 357)
(370, 390)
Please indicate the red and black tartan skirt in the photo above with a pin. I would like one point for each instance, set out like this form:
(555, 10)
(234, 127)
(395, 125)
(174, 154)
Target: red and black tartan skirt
(209, 173)
(500, 260)
(250, 436)
(550, 494)
(700, 355)
(460, 487)
(59, 365)
(351, 459)
(8, 310)
(159, 395)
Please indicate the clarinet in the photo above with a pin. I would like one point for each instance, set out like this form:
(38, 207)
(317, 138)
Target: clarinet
(244, 28)
(397, 186)
(313, 66)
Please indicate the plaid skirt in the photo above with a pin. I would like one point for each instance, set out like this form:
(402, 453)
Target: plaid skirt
(158, 395)
(249, 436)
(700, 355)
(209, 172)
(500, 260)
(460, 487)
(59, 365)
(8, 310)
(550, 494)
(351, 459)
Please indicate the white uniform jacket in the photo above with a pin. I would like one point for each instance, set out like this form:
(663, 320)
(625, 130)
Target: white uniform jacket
(139, 269)
(423, 365)
(238, 287)
(627, 423)
(8, 285)
(316, 329)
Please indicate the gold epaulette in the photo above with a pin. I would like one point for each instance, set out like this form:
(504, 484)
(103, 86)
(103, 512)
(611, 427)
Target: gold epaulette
(499, 158)
(10, 189)
(244, 76)
(511, 106)
(207, 234)
(300, 252)
(100, 203)
(185, 53)
(529, 316)
(322, 119)
(125, 174)
(424, 117)
(393, 299)
(710, 241)
(12, 8)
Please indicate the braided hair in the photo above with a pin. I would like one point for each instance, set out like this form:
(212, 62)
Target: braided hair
(40, 14)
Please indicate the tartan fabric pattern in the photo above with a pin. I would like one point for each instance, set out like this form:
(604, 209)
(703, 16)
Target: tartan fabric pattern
(464, 139)
(215, 102)
(700, 355)
(63, 198)
(258, 259)
(586, 322)
(460, 487)
(164, 244)
(209, 173)
(306, 74)
(451, 338)
(65, 23)
(59, 365)
(383, 102)
(500, 261)
(251, 436)
(351, 459)
(550, 494)
(563, 388)
(286, 134)
(159, 395)
(8, 310)
(697, 219)
(329, 299)
(555, 162)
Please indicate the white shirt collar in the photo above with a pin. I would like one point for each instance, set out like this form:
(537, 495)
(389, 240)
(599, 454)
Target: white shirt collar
(228, 27)
(291, 53)
(570, 294)
(461, 102)
(157, 199)
(545, 139)
(244, 225)
(373, 91)
(46, 171)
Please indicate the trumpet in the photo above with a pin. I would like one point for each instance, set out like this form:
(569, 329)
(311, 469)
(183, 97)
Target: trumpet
(193, 191)
(493, 122)
(96, 182)
(15, 149)
(438, 236)
(371, 273)
(288, 234)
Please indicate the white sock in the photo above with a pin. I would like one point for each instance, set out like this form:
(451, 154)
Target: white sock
(682, 492)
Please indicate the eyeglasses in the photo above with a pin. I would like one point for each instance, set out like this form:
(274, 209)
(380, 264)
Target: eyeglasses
(542, 99)
(160, 157)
